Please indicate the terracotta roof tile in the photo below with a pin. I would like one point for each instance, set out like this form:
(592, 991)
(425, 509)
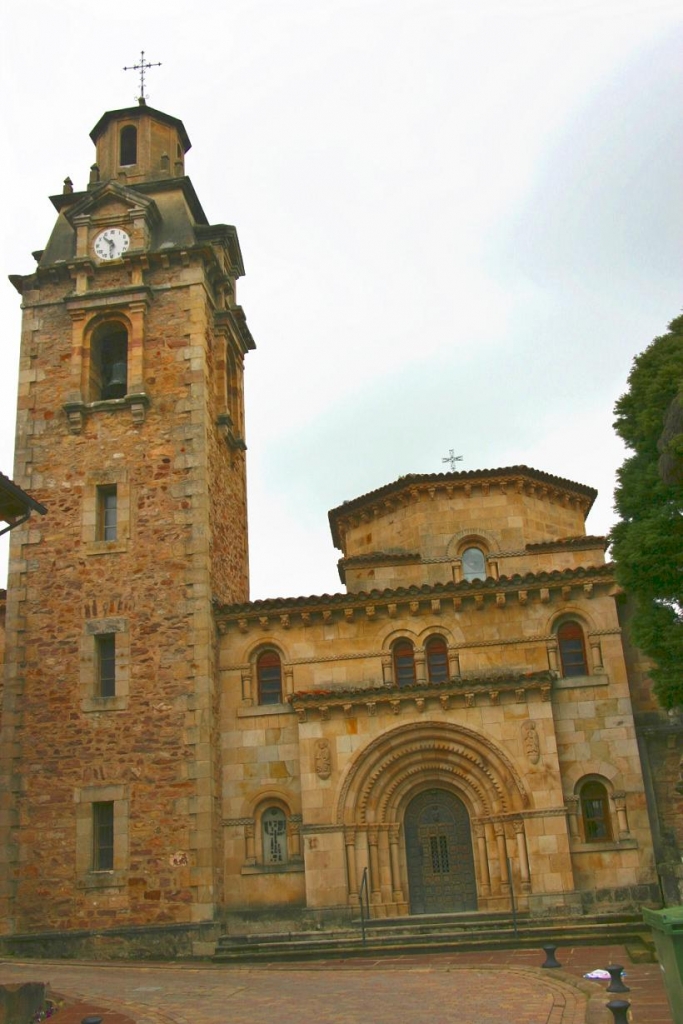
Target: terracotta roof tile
(578, 543)
(463, 588)
(465, 476)
(320, 695)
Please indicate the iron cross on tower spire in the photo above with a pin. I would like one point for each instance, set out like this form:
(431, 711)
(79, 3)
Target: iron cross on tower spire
(143, 66)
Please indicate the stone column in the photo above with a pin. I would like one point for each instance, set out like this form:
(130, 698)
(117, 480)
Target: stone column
(295, 837)
(375, 878)
(288, 673)
(596, 654)
(79, 384)
(396, 891)
(553, 662)
(420, 667)
(622, 820)
(501, 845)
(484, 877)
(518, 824)
(573, 817)
(351, 872)
(250, 850)
(135, 347)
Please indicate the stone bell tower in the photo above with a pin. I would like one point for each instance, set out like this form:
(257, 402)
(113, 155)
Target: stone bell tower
(130, 429)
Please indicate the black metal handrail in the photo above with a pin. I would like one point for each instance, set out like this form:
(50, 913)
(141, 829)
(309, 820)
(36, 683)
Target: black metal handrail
(364, 898)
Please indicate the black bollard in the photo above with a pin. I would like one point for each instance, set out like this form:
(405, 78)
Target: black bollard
(550, 959)
(91, 1020)
(619, 1009)
(616, 984)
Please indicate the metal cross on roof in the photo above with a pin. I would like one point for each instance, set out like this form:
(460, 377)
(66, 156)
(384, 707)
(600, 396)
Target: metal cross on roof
(452, 458)
(143, 66)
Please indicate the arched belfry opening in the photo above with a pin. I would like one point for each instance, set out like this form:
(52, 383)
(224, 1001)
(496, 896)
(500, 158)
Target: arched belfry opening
(109, 361)
(432, 813)
(128, 146)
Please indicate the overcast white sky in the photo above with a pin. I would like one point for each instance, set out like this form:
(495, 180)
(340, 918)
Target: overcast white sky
(460, 221)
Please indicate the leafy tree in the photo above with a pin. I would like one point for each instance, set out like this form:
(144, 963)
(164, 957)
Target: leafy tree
(648, 541)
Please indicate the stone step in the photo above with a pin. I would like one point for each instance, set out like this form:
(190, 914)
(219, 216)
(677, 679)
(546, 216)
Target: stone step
(391, 940)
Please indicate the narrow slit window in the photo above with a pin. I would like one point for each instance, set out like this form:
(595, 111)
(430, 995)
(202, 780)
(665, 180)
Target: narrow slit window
(103, 835)
(105, 645)
(107, 511)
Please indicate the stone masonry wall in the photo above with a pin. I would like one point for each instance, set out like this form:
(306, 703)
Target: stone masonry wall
(148, 749)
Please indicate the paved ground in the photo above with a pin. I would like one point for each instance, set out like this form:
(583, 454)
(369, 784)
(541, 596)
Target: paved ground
(505, 987)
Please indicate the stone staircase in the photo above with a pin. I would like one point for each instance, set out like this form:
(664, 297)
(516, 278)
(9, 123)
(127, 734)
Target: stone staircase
(435, 933)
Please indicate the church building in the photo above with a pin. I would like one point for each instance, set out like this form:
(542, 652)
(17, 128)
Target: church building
(463, 725)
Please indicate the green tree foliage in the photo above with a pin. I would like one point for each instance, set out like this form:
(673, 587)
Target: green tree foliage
(648, 541)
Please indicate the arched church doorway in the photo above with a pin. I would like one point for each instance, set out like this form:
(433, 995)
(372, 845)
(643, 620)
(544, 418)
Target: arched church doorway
(439, 857)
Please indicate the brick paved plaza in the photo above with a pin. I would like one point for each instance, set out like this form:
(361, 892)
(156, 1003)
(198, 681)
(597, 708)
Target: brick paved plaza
(505, 987)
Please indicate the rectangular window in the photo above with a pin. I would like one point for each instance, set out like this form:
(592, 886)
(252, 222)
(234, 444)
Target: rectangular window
(106, 512)
(105, 646)
(103, 835)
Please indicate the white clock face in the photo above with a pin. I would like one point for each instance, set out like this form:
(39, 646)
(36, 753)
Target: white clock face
(111, 244)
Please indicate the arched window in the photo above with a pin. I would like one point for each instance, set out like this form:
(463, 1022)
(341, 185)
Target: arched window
(437, 659)
(128, 146)
(404, 663)
(109, 361)
(269, 674)
(572, 649)
(473, 564)
(274, 836)
(597, 826)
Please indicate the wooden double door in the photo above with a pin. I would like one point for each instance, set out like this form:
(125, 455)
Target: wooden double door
(438, 842)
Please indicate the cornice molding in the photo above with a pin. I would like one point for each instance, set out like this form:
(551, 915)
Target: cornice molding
(454, 692)
(428, 600)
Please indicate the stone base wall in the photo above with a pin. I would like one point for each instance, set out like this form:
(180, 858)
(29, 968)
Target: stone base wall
(621, 899)
(286, 919)
(164, 942)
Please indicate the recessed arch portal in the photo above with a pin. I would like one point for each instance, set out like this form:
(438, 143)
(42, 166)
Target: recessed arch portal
(397, 765)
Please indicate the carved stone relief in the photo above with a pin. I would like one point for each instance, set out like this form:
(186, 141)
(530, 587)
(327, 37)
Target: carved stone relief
(323, 759)
(532, 746)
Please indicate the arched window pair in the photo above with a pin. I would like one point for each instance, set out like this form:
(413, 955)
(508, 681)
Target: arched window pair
(572, 646)
(269, 677)
(436, 655)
